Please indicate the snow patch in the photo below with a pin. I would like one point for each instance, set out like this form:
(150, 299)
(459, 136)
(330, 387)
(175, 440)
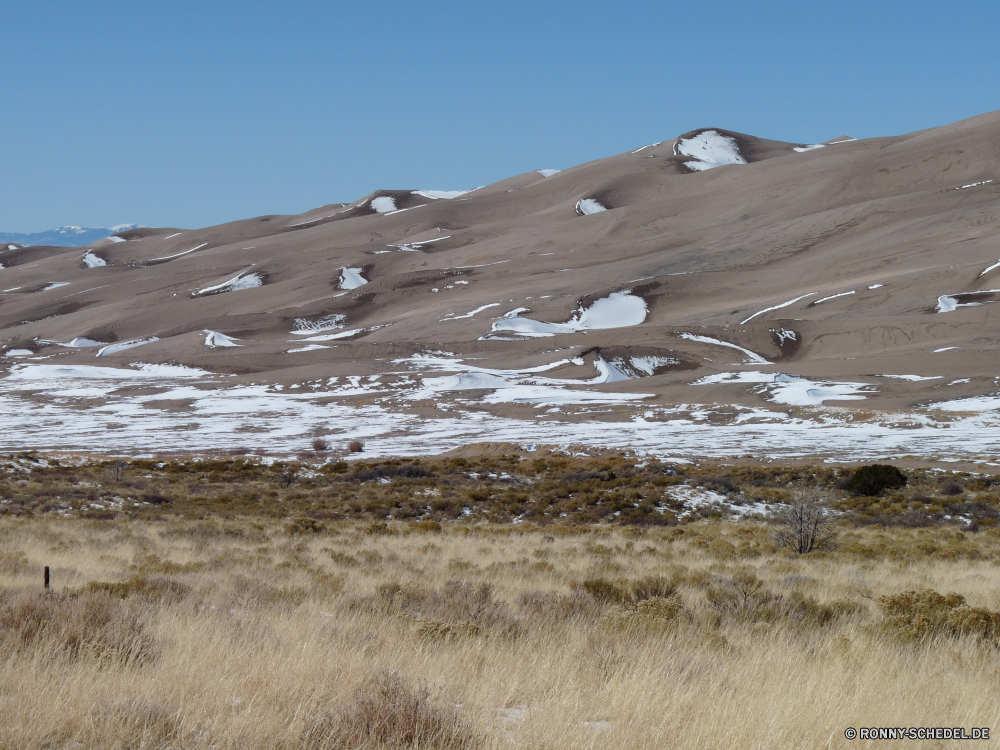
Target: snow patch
(776, 307)
(589, 206)
(238, 283)
(792, 390)
(93, 261)
(618, 310)
(121, 346)
(171, 257)
(116, 239)
(990, 268)
(308, 348)
(55, 285)
(813, 147)
(710, 149)
(974, 184)
(548, 172)
(83, 342)
(753, 357)
(949, 302)
(18, 353)
(974, 403)
(351, 278)
(832, 296)
(384, 204)
(913, 378)
(305, 327)
(214, 339)
(470, 314)
(415, 247)
(441, 194)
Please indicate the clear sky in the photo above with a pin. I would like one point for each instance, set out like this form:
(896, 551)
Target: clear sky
(194, 113)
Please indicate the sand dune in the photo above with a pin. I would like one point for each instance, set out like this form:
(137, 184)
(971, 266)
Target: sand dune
(835, 264)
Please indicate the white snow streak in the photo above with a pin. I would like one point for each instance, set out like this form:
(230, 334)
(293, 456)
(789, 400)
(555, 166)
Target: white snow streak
(753, 357)
(776, 307)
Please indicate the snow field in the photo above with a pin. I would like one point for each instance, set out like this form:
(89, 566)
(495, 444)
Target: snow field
(93, 261)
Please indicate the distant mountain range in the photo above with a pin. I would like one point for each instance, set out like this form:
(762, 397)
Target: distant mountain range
(64, 236)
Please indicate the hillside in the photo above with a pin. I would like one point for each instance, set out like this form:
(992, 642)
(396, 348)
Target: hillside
(768, 280)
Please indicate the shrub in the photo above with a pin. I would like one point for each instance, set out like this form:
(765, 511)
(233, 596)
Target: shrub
(874, 479)
(356, 446)
(918, 615)
(951, 489)
(387, 713)
(320, 445)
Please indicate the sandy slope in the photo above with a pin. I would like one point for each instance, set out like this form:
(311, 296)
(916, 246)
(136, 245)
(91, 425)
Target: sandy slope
(842, 265)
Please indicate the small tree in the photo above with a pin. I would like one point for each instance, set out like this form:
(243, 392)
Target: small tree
(805, 525)
(874, 479)
(117, 469)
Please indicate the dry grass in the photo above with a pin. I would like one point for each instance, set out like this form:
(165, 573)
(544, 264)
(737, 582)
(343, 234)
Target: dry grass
(264, 634)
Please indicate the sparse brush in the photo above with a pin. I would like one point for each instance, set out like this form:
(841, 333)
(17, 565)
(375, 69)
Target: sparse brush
(78, 626)
(320, 445)
(355, 446)
(387, 713)
(918, 615)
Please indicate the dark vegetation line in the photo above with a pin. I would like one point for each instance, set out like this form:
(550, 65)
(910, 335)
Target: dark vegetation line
(552, 490)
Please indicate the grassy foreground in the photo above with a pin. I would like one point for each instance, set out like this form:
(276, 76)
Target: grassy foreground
(172, 628)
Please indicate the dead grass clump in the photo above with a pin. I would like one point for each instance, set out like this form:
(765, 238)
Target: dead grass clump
(551, 605)
(158, 589)
(92, 624)
(13, 563)
(919, 615)
(622, 591)
(133, 723)
(387, 713)
(650, 615)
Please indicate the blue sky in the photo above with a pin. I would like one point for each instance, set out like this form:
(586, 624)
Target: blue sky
(194, 113)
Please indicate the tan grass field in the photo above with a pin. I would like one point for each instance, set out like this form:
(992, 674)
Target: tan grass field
(248, 634)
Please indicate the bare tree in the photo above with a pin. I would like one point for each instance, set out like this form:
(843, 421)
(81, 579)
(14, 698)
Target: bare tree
(117, 469)
(806, 524)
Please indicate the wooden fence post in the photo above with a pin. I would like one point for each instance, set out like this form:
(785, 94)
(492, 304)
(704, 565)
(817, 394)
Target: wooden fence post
(46, 576)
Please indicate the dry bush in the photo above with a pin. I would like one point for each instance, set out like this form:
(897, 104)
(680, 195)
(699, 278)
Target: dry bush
(806, 524)
(386, 714)
(320, 445)
(918, 615)
(89, 625)
(355, 446)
